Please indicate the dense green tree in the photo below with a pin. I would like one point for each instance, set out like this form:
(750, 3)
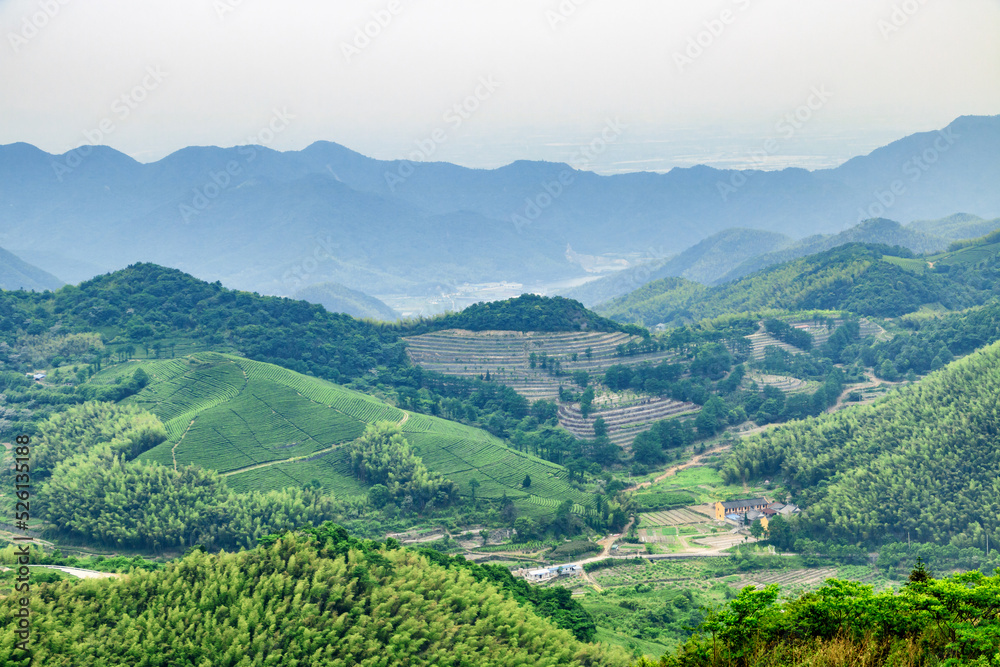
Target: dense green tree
(314, 598)
(842, 467)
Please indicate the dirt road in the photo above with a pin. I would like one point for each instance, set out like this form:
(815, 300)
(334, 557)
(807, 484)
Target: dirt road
(675, 469)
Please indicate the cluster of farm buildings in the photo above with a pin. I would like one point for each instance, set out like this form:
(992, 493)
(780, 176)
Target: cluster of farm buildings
(547, 573)
(747, 510)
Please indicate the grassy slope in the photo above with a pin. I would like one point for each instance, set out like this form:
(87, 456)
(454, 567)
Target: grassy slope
(227, 413)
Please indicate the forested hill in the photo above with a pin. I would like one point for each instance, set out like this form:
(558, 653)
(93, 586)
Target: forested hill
(146, 304)
(923, 462)
(528, 312)
(879, 231)
(860, 278)
(318, 598)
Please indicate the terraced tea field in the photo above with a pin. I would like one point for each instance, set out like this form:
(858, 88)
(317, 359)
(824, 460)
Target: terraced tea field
(266, 427)
(785, 383)
(626, 422)
(688, 515)
(506, 355)
(761, 340)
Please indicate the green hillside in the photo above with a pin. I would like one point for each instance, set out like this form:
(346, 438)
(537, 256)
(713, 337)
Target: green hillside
(864, 279)
(265, 427)
(923, 462)
(319, 598)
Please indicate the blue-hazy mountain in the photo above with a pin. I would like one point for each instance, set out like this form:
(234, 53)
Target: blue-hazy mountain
(16, 274)
(956, 227)
(733, 253)
(277, 222)
(339, 299)
(705, 262)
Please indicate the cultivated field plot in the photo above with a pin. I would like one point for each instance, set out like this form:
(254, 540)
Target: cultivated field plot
(721, 541)
(785, 383)
(687, 530)
(265, 427)
(507, 356)
(681, 517)
(790, 580)
(626, 422)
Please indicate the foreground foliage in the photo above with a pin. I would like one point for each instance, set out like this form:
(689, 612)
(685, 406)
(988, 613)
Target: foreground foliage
(948, 622)
(319, 598)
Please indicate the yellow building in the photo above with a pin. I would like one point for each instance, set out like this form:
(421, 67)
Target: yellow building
(739, 507)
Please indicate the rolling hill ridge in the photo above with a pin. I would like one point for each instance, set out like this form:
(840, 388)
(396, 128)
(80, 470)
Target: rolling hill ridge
(260, 225)
(264, 427)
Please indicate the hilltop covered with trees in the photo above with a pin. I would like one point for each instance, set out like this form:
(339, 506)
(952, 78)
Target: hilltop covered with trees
(318, 597)
(528, 312)
(922, 462)
(858, 278)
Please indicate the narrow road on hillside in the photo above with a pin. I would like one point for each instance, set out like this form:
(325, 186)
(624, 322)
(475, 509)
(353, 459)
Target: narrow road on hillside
(173, 450)
(258, 466)
(77, 572)
(675, 469)
(870, 383)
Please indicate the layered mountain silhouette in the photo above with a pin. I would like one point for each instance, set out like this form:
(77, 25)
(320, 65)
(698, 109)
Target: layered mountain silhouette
(16, 274)
(275, 222)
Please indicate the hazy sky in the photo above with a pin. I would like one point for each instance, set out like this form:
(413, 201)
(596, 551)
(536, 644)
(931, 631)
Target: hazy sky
(683, 80)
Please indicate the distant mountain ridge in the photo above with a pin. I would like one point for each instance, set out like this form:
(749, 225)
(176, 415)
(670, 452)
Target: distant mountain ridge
(866, 279)
(16, 274)
(274, 222)
(879, 230)
(703, 262)
(339, 299)
(734, 253)
(956, 227)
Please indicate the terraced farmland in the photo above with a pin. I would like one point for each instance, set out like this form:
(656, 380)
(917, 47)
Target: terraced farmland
(681, 517)
(761, 340)
(791, 580)
(785, 383)
(506, 355)
(266, 427)
(626, 422)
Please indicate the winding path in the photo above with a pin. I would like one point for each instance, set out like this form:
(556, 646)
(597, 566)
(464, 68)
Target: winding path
(675, 469)
(257, 466)
(77, 572)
